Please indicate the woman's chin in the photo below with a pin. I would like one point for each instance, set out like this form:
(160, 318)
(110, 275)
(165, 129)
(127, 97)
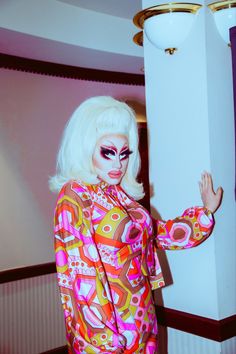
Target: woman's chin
(109, 180)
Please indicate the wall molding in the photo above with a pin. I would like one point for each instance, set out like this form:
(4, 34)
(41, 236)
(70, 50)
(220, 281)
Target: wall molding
(217, 330)
(67, 71)
(37, 270)
(59, 350)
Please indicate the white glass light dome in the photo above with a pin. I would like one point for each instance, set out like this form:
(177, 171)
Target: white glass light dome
(224, 20)
(166, 25)
(168, 30)
(224, 13)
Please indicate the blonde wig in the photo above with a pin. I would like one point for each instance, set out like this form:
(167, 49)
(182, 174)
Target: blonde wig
(95, 117)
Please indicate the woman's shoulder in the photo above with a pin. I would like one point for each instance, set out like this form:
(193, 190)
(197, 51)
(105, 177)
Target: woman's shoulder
(74, 188)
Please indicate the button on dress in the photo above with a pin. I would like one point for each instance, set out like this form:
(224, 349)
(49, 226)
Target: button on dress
(107, 265)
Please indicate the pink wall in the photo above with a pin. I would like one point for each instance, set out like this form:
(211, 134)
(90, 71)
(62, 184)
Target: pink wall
(33, 111)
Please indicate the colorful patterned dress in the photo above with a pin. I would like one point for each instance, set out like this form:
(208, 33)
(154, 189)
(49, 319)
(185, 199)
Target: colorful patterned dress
(107, 266)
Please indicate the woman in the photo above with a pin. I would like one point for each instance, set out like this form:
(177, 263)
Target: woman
(105, 241)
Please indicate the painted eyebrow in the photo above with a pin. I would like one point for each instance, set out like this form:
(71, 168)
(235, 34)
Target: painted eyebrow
(113, 148)
(125, 148)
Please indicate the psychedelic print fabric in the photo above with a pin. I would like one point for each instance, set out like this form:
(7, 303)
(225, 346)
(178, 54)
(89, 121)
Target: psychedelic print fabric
(107, 266)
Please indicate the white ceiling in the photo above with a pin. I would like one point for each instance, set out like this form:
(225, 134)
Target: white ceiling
(86, 33)
(120, 8)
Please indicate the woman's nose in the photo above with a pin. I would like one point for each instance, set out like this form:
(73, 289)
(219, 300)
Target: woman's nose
(117, 162)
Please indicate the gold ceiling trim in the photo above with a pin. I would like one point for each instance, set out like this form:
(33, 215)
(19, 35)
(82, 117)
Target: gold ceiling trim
(143, 15)
(222, 5)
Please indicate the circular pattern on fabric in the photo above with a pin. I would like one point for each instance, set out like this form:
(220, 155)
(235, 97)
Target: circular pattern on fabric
(107, 228)
(115, 217)
(86, 214)
(180, 232)
(135, 299)
(94, 342)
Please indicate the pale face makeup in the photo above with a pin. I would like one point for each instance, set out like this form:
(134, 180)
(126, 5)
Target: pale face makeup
(111, 157)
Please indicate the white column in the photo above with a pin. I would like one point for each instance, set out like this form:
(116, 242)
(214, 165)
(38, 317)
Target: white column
(189, 99)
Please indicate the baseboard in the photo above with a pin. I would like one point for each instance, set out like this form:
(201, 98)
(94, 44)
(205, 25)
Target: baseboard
(59, 350)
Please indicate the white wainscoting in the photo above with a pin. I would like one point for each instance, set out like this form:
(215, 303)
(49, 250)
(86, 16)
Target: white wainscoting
(31, 322)
(31, 318)
(186, 343)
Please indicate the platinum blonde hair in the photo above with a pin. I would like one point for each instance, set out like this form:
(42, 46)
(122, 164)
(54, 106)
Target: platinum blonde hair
(95, 117)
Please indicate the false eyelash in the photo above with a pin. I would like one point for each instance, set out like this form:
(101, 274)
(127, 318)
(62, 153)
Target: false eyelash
(125, 154)
(105, 152)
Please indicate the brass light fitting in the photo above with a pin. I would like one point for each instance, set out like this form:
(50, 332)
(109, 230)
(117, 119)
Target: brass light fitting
(138, 38)
(143, 15)
(170, 8)
(221, 5)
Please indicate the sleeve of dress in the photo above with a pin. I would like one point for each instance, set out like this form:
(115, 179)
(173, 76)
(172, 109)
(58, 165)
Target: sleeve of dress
(88, 309)
(186, 231)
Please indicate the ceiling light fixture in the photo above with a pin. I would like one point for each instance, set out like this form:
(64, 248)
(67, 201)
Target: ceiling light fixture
(138, 38)
(224, 13)
(166, 25)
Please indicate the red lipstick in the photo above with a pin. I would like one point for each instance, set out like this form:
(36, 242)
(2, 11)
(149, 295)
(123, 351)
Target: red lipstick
(115, 174)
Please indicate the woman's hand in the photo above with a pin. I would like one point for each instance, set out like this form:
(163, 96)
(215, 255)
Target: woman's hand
(211, 200)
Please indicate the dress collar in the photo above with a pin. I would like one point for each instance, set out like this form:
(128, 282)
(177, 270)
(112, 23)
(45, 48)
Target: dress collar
(108, 188)
(103, 185)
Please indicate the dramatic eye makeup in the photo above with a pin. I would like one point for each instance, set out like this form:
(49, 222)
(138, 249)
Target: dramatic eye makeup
(125, 154)
(109, 153)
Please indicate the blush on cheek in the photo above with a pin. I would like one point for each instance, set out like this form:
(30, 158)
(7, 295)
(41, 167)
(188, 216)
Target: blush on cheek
(125, 164)
(98, 163)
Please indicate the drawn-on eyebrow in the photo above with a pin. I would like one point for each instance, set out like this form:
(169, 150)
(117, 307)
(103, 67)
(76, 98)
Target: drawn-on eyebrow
(125, 147)
(108, 148)
(112, 146)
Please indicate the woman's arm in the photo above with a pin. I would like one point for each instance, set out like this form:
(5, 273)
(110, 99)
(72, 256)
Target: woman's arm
(186, 231)
(195, 224)
(88, 308)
